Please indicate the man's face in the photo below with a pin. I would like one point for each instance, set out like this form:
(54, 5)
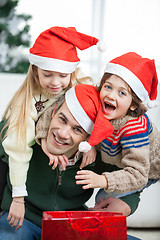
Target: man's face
(64, 133)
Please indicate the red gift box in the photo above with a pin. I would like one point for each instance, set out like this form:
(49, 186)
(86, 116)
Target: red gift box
(83, 225)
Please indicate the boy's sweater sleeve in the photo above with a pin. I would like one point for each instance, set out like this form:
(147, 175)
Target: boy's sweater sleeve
(135, 166)
(19, 156)
(130, 151)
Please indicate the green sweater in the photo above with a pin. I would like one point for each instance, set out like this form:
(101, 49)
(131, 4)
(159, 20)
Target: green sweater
(46, 194)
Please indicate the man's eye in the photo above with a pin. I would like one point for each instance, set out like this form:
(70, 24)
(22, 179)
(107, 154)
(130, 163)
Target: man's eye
(78, 130)
(62, 119)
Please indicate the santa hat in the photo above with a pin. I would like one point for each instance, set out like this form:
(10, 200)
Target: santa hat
(139, 73)
(55, 49)
(84, 103)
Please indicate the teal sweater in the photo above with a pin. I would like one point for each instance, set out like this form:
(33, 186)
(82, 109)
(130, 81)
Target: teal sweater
(46, 194)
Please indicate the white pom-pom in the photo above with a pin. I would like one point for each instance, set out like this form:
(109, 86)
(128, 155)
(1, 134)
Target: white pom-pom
(84, 146)
(152, 104)
(101, 46)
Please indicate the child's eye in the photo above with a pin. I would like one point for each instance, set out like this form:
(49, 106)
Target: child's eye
(122, 93)
(107, 87)
(47, 75)
(63, 75)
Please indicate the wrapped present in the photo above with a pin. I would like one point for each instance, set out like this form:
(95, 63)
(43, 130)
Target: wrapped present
(83, 225)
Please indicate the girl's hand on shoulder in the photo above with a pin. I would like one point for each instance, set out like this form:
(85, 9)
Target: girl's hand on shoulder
(16, 212)
(58, 159)
(89, 157)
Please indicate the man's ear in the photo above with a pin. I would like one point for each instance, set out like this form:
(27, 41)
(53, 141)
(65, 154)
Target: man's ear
(54, 111)
(88, 137)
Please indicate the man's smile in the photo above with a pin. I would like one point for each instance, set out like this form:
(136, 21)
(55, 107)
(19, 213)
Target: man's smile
(59, 140)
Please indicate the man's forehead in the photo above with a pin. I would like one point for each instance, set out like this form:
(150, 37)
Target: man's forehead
(64, 110)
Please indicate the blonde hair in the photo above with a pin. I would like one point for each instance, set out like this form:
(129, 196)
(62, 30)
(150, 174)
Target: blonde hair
(16, 115)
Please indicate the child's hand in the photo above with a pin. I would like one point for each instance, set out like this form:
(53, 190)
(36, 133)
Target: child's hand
(88, 157)
(54, 159)
(16, 212)
(58, 159)
(91, 179)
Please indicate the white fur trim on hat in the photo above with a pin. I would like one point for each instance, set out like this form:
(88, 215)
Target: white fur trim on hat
(130, 78)
(101, 46)
(84, 146)
(77, 111)
(52, 64)
(152, 104)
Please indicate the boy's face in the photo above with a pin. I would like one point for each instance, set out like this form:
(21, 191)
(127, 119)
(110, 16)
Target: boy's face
(116, 98)
(64, 133)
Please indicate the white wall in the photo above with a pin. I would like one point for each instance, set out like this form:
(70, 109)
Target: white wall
(9, 83)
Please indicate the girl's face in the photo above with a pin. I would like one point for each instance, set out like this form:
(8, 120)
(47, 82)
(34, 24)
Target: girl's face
(116, 98)
(53, 82)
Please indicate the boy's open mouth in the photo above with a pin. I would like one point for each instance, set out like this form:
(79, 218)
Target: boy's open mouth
(109, 107)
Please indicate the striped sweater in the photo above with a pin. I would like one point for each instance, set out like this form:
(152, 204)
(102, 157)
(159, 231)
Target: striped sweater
(134, 147)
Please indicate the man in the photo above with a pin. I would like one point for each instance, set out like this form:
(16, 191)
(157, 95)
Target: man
(50, 190)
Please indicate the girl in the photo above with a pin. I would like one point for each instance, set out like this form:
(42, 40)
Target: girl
(53, 62)
(128, 83)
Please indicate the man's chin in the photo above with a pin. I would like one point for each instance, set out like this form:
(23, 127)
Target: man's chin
(58, 150)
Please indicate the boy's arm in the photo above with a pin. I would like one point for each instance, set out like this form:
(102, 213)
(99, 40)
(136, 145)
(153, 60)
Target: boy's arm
(131, 200)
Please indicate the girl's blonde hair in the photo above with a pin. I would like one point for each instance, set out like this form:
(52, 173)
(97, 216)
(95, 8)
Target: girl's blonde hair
(136, 102)
(19, 108)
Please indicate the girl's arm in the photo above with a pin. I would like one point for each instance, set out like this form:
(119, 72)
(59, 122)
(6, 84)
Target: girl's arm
(54, 159)
(16, 212)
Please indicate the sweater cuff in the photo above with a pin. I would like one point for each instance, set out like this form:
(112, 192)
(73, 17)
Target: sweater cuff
(111, 182)
(19, 191)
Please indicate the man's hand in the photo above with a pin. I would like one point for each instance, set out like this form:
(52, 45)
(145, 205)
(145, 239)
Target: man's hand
(112, 205)
(90, 179)
(88, 157)
(16, 212)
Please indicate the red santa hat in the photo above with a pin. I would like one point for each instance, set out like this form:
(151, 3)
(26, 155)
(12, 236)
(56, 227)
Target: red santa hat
(139, 73)
(55, 49)
(84, 103)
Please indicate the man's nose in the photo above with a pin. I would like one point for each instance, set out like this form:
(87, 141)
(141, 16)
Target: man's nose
(64, 132)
